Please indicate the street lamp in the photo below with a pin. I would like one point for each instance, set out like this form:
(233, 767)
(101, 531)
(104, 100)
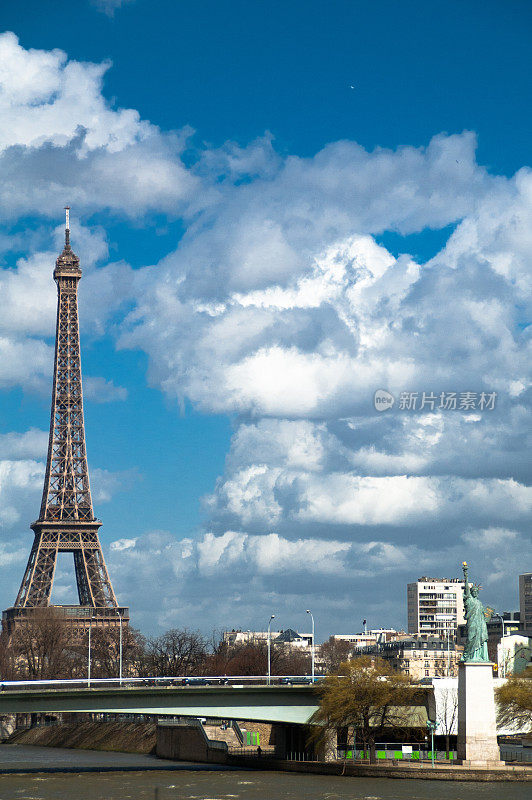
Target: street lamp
(269, 646)
(432, 727)
(503, 655)
(312, 648)
(448, 632)
(120, 649)
(89, 662)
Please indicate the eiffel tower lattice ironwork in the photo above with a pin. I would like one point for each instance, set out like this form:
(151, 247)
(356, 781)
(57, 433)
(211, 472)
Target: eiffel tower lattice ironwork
(66, 521)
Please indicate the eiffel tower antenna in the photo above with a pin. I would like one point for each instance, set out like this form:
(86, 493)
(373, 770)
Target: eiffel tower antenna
(66, 520)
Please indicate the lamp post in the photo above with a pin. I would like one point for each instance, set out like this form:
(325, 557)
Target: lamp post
(448, 630)
(89, 661)
(120, 650)
(312, 648)
(503, 655)
(431, 725)
(269, 646)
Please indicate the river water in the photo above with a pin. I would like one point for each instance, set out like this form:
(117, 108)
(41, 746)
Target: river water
(143, 780)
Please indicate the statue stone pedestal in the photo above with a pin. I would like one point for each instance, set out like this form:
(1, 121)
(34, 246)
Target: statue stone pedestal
(477, 728)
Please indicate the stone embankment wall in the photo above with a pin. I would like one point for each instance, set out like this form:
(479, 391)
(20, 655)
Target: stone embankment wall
(189, 742)
(121, 737)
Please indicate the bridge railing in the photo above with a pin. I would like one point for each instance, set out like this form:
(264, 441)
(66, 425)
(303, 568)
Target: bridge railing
(258, 751)
(233, 681)
(395, 752)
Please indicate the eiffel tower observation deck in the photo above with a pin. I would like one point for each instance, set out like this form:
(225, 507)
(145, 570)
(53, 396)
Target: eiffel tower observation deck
(66, 520)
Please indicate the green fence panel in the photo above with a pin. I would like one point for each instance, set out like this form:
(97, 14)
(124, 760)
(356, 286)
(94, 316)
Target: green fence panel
(398, 754)
(381, 753)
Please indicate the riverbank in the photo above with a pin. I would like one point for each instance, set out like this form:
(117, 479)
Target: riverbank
(140, 739)
(412, 771)
(18, 759)
(119, 737)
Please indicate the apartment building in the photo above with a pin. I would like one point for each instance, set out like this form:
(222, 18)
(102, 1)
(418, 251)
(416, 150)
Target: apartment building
(419, 656)
(525, 602)
(435, 606)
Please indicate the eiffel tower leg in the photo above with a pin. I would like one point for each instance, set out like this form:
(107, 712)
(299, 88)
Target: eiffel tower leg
(39, 576)
(28, 574)
(82, 579)
(93, 579)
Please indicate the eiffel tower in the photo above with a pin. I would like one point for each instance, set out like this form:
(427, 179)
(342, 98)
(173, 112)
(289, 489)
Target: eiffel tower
(66, 521)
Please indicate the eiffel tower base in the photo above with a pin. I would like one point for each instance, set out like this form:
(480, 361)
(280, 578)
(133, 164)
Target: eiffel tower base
(77, 619)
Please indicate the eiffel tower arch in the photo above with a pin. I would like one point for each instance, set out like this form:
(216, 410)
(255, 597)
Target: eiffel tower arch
(66, 520)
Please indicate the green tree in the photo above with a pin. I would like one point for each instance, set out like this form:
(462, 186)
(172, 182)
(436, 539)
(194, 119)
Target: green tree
(366, 695)
(514, 699)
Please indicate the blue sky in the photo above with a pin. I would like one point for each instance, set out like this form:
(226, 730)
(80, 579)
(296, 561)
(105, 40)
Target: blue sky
(280, 208)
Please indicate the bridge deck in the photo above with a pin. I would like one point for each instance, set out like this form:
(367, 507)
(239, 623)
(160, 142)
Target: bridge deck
(292, 704)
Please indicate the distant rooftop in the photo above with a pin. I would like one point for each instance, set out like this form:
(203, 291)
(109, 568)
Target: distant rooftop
(289, 635)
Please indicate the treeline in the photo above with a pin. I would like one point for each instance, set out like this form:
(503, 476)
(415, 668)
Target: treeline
(43, 650)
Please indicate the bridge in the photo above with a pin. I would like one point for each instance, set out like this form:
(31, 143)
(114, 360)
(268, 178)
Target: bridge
(260, 703)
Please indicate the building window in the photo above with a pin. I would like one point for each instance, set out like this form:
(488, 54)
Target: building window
(426, 673)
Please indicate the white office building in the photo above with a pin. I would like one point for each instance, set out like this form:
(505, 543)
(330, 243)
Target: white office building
(435, 606)
(374, 636)
(287, 637)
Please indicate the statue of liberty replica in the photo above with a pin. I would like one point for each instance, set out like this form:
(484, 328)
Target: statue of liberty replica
(477, 728)
(476, 648)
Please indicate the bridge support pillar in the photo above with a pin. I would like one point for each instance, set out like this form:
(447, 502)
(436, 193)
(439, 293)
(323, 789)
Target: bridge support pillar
(328, 747)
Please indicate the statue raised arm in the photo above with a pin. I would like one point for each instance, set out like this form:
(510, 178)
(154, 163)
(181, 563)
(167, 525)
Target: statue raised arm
(476, 648)
(466, 579)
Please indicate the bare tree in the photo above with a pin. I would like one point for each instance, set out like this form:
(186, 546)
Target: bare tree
(246, 658)
(251, 658)
(8, 670)
(446, 714)
(176, 652)
(105, 652)
(291, 661)
(334, 652)
(41, 646)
